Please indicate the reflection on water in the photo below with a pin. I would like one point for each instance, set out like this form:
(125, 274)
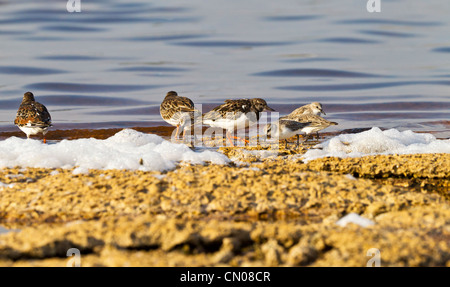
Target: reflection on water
(112, 64)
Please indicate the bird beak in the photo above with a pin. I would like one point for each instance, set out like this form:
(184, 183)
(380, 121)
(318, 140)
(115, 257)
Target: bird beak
(269, 109)
(322, 112)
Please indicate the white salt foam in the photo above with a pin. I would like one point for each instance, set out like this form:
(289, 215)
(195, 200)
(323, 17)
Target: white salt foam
(5, 185)
(355, 219)
(375, 142)
(128, 149)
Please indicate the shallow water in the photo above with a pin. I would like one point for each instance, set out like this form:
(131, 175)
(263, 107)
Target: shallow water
(111, 65)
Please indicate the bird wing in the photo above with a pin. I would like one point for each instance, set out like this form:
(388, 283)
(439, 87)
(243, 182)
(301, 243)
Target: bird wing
(231, 109)
(314, 119)
(172, 107)
(294, 125)
(302, 118)
(297, 112)
(33, 114)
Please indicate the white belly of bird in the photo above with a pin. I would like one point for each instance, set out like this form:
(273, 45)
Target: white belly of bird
(309, 129)
(231, 124)
(173, 122)
(286, 133)
(33, 130)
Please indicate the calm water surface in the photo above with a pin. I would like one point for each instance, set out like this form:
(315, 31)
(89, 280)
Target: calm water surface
(111, 64)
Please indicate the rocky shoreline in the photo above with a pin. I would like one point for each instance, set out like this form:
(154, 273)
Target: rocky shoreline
(276, 211)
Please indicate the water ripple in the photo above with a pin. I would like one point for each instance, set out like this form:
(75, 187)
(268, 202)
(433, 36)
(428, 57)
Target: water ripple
(107, 18)
(72, 28)
(388, 34)
(360, 86)
(150, 69)
(69, 58)
(28, 70)
(384, 116)
(43, 39)
(292, 18)
(70, 87)
(213, 44)
(10, 104)
(442, 50)
(166, 37)
(146, 111)
(345, 87)
(74, 100)
(78, 100)
(315, 59)
(390, 22)
(315, 73)
(410, 106)
(349, 40)
(108, 8)
(15, 32)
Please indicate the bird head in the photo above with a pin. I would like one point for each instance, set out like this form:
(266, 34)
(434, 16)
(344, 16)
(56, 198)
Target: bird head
(317, 108)
(28, 97)
(260, 105)
(171, 94)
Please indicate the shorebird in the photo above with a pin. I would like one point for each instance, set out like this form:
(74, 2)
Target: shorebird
(314, 108)
(235, 114)
(317, 123)
(178, 111)
(285, 129)
(33, 117)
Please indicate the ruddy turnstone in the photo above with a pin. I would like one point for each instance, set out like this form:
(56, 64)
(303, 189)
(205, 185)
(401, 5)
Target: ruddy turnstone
(317, 123)
(285, 129)
(32, 117)
(314, 108)
(178, 111)
(235, 114)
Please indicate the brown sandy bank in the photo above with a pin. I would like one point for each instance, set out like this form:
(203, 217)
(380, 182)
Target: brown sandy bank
(278, 212)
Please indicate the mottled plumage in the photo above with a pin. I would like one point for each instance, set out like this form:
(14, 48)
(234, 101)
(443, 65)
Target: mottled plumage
(310, 109)
(235, 114)
(32, 117)
(317, 123)
(178, 111)
(285, 129)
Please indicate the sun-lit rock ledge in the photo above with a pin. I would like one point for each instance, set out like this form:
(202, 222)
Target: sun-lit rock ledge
(275, 211)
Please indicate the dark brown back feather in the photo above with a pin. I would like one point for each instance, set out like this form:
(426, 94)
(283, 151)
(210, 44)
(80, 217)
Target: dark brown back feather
(174, 106)
(230, 109)
(34, 113)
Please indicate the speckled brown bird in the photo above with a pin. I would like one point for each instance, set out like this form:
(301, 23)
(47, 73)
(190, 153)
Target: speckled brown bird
(178, 111)
(316, 123)
(234, 114)
(314, 108)
(33, 117)
(284, 129)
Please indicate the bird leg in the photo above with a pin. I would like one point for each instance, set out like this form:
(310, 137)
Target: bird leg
(176, 134)
(306, 138)
(241, 139)
(229, 139)
(298, 141)
(190, 138)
